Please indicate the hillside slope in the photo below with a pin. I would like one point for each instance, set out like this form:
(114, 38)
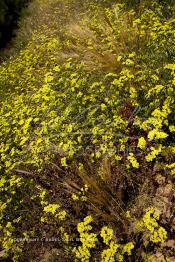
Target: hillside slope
(87, 133)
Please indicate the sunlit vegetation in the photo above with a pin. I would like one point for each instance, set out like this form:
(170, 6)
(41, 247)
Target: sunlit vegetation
(87, 132)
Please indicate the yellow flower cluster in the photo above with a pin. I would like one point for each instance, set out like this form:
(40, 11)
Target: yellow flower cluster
(87, 239)
(156, 134)
(64, 235)
(106, 234)
(108, 255)
(155, 151)
(133, 160)
(141, 143)
(54, 210)
(81, 195)
(51, 208)
(157, 234)
(114, 252)
(171, 167)
(127, 248)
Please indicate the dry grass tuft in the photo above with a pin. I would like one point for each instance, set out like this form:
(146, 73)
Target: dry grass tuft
(97, 38)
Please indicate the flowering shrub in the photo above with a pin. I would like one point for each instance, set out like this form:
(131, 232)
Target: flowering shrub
(86, 122)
